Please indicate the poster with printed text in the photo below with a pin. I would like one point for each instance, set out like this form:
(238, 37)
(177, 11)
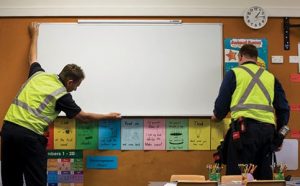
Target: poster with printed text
(233, 45)
(199, 134)
(109, 135)
(64, 133)
(132, 131)
(177, 134)
(65, 167)
(87, 135)
(154, 134)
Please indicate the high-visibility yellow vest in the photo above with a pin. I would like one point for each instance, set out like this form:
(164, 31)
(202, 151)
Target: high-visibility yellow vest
(34, 105)
(254, 94)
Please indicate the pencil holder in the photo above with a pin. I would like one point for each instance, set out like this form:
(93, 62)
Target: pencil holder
(278, 176)
(216, 176)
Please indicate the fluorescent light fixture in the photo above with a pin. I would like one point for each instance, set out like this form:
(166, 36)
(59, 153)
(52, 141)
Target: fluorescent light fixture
(112, 21)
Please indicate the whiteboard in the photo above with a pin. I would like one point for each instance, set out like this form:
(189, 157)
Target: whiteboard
(288, 154)
(138, 69)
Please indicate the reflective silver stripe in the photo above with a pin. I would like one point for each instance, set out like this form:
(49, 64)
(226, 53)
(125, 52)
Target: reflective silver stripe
(254, 81)
(252, 106)
(37, 112)
(26, 82)
(49, 98)
(31, 110)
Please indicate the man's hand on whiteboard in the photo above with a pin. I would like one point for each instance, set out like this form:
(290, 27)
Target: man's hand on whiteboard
(34, 32)
(88, 116)
(34, 29)
(114, 115)
(214, 118)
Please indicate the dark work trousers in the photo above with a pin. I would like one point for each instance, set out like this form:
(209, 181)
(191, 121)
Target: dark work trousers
(23, 152)
(255, 148)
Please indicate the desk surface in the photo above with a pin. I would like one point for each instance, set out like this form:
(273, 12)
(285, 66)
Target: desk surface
(288, 183)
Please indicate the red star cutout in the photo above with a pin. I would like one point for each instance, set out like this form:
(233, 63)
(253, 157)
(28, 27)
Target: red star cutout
(231, 55)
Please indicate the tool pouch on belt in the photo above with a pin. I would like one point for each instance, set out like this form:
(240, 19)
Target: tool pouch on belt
(238, 128)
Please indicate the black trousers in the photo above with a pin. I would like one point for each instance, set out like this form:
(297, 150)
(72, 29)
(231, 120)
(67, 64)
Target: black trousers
(254, 147)
(23, 153)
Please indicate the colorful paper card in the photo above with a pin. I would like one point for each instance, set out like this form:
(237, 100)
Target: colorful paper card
(233, 45)
(64, 133)
(295, 134)
(295, 107)
(217, 133)
(87, 135)
(52, 165)
(77, 177)
(199, 134)
(154, 134)
(295, 77)
(101, 162)
(52, 177)
(132, 134)
(226, 122)
(76, 164)
(64, 164)
(64, 177)
(50, 137)
(109, 135)
(177, 134)
(60, 167)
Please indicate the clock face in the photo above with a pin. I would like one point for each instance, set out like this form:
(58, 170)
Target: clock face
(255, 17)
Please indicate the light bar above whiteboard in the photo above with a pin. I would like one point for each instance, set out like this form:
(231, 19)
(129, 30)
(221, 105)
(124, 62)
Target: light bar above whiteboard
(122, 21)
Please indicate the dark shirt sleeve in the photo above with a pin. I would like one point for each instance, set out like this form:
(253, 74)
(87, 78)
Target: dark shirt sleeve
(281, 106)
(35, 67)
(223, 101)
(67, 105)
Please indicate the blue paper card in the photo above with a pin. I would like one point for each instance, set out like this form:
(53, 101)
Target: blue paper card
(132, 134)
(101, 162)
(109, 135)
(52, 177)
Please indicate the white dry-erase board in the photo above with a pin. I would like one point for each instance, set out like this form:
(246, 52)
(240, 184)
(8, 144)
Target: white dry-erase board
(288, 154)
(139, 69)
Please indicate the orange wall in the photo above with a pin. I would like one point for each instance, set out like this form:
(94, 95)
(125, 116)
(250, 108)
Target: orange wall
(139, 167)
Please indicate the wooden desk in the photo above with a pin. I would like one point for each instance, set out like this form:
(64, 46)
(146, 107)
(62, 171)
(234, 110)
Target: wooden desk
(202, 183)
(252, 183)
(186, 183)
(266, 183)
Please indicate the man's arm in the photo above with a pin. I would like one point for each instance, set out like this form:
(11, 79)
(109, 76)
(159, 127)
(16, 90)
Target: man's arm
(281, 106)
(34, 31)
(282, 112)
(72, 110)
(223, 101)
(87, 116)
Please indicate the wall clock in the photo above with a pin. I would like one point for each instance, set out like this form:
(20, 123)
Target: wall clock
(255, 17)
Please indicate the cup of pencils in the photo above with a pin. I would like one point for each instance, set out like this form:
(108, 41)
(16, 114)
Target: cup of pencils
(214, 172)
(279, 171)
(247, 171)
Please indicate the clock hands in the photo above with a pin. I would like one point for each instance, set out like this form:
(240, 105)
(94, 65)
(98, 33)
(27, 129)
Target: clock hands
(257, 15)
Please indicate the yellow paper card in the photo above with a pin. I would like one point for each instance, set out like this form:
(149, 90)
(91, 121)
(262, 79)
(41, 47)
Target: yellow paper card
(199, 134)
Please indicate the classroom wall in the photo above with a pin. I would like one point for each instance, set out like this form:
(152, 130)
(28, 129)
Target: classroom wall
(136, 168)
(274, 8)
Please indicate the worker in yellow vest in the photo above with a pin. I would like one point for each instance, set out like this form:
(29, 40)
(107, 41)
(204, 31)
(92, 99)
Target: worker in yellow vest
(259, 109)
(39, 101)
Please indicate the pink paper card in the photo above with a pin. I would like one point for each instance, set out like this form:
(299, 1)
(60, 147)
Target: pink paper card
(154, 134)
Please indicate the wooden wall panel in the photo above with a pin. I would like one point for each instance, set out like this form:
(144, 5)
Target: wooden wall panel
(139, 167)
